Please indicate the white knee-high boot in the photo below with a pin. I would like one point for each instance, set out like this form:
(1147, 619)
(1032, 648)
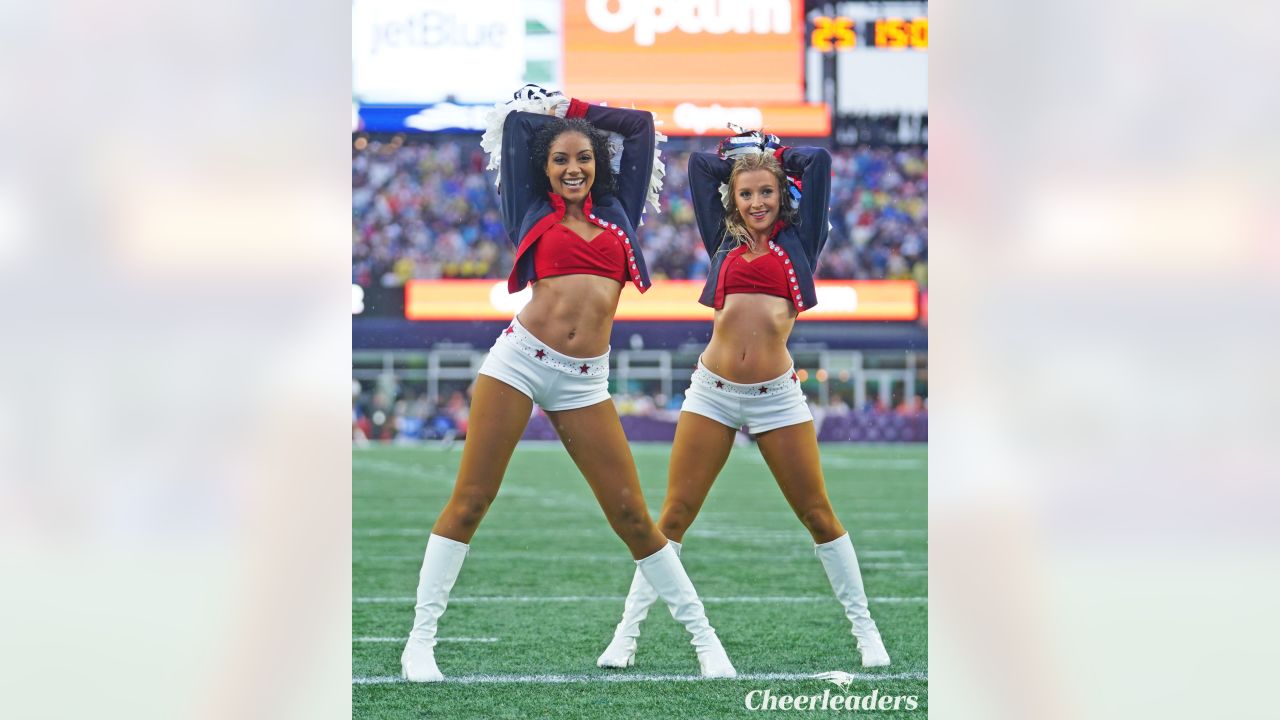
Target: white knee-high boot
(440, 566)
(841, 564)
(621, 652)
(667, 576)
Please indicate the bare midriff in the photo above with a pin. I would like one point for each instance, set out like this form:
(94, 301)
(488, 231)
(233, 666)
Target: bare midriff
(749, 338)
(573, 313)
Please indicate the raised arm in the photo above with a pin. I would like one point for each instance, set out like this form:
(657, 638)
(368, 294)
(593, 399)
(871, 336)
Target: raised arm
(814, 167)
(707, 172)
(517, 172)
(638, 144)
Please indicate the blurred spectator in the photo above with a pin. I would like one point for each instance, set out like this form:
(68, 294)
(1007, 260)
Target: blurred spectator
(361, 428)
(427, 209)
(458, 410)
(836, 404)
(912, 407)
(424, 210)
(411, 417)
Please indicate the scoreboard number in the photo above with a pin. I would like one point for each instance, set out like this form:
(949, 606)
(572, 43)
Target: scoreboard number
(899, 34)
(833, 34)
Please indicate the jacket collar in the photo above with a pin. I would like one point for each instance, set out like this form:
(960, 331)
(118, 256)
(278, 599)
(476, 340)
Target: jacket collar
(778, 226)
(558, 204)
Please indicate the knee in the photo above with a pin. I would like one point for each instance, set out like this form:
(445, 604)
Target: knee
(822, 524)
(677, 516)
(468, 510)
(632, 523)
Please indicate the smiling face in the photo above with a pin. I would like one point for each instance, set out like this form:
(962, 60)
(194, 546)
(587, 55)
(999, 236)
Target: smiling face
(571, 166)
(757, 197)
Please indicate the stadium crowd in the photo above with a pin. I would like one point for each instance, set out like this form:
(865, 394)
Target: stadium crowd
(388, 410)
(428, 209)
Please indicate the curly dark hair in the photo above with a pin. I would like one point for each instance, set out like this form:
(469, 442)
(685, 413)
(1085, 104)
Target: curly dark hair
(605, 182)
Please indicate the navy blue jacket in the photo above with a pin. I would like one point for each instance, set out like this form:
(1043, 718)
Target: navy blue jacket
(527, 214)
(801, 243)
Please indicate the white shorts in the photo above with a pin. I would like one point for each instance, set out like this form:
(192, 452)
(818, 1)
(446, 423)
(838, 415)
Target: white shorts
(761, 406)
(553, 380)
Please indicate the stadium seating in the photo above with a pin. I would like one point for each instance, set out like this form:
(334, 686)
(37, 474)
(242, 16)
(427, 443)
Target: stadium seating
(427, 209)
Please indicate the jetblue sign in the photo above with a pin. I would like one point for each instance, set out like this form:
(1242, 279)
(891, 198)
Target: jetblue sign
(426, 51)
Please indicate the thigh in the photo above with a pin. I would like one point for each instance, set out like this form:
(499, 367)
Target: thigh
(594, 438)
(698, 454)
(499, 415)
(791, 453)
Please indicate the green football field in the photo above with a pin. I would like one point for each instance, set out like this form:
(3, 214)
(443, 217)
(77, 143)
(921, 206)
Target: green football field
(542, 588)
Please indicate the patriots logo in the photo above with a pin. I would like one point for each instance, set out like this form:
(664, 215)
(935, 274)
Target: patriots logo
(840, 678)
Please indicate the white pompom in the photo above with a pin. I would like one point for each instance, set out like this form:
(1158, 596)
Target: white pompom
(659, 172)
(491, 140)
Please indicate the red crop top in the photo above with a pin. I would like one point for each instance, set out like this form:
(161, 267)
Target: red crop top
(766, 274)
(561, 251)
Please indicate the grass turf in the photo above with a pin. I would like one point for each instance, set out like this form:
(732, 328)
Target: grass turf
(545, 537)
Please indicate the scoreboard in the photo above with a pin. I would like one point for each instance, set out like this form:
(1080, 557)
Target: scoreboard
(868, 58)
(834, 34)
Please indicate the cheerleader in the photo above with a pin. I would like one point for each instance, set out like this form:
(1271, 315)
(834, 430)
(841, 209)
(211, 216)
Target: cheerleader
(573, 179)
(762, 212)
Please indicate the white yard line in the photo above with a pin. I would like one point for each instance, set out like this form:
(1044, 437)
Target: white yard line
(664, 448)
(415, 471)
(744, 535)
(734, 534)
(443, 640)
(623, 559)
(622, 556)
(861, 463)
(632, 677)
(601, 532)
(874, 463)
(620, 598)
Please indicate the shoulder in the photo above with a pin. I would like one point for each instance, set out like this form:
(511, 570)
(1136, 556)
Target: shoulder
(789, 235)
(607, 204)
(538, 209)
(604, 199)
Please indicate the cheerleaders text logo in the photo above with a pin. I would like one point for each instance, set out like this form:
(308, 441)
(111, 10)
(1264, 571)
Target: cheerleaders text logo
(841, 701)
